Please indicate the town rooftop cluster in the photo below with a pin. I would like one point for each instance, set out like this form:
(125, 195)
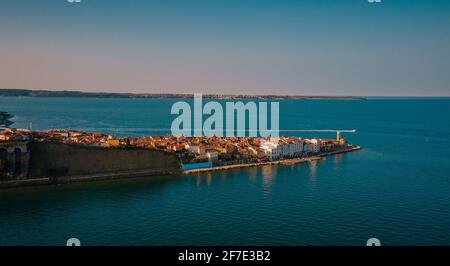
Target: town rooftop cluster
(214, 149)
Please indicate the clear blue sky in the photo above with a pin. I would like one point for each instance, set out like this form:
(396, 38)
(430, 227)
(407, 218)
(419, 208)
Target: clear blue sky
(309, 47)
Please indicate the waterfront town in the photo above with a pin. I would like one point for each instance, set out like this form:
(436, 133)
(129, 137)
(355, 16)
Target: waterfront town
(191, 150)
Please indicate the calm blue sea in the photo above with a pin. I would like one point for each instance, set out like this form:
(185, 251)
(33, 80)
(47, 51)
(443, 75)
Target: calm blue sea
(396, 189)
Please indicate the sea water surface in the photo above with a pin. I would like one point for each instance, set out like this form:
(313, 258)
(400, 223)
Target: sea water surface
(397, 188)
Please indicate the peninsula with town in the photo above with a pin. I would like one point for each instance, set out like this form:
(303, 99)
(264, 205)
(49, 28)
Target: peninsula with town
(35, 157)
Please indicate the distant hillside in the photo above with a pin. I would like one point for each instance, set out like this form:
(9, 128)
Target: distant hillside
(80, 94)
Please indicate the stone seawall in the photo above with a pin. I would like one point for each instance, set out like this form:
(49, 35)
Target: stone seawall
(63, 163)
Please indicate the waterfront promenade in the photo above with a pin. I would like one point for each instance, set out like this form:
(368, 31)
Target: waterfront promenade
(291, 161)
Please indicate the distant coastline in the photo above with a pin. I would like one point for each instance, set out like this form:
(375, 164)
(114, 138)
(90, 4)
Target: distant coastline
(80, 94)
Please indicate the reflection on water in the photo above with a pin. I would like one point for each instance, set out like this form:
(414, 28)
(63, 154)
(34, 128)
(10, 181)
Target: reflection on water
(203, 178)
(269, 174)
(337, 159)
(252, 173)
(208, 178)
(313, 170)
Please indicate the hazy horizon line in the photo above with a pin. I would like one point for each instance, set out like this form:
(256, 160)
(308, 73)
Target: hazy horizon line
(223, 94)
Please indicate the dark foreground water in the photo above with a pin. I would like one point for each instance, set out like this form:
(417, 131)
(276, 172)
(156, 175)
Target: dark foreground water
(396, 189)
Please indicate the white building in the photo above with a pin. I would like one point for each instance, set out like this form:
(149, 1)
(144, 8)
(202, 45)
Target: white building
(314, 145)
(285, 149)
(292, 148)
(296, 148)
(306, 149)
(212, 155)
(196, 149)
(272, 150)
(276, 150)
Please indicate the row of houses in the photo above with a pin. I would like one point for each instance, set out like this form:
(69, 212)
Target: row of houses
(274, 150)
(13, 134)
(189, 149)
(261, 149)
